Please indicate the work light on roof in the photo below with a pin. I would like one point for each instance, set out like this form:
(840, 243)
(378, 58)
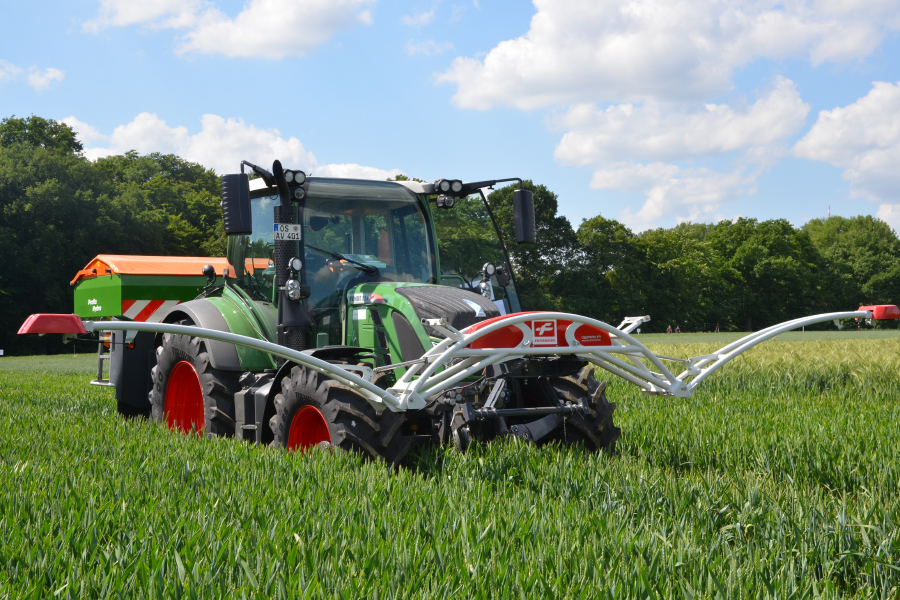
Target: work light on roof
(299, 177)
(289, 176)
(448, 186)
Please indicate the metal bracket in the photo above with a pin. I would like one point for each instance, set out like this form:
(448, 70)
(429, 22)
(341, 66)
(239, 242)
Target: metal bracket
(407, 398)
(470, 413)
(365, 372)
(444, 327)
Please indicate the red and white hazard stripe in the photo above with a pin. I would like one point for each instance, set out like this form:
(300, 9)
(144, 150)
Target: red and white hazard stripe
(148, 311)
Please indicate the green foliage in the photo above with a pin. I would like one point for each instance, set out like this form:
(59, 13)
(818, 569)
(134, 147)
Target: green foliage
(742, 275)
(541, 268)
(773, 272)
(862, 256)
(779, 479)
(58, 210)
(39, 133)
(402, 177)
(467, 238)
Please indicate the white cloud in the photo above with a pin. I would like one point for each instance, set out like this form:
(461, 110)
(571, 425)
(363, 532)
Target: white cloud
(862, 138)
(37, 79)
(633, 50)
(8, 70)
(659, 131)
(632, 149)
(420, 19)
(428, 48)
(86, 134)
(275, 28)
(673, 193)
(220, 144)
(156, 13)
(890, 214)
(41, 80)
(354, 171)
(269, 29)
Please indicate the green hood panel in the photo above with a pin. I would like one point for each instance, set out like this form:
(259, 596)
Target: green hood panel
(241, 320)
(388, 316)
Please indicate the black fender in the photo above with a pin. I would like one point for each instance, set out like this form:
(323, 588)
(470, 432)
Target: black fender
(328, 353)
(203, 313)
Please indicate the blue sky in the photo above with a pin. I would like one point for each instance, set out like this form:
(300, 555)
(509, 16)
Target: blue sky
(647, 111)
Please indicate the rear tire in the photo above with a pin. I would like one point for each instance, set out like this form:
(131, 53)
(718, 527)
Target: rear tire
(188, 393)
(313, 409)
(595, 430)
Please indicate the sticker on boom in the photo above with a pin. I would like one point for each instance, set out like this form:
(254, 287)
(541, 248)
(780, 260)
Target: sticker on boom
(287, 232)
(544, 333)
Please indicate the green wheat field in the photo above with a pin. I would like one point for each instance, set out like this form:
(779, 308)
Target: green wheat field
(779, 479)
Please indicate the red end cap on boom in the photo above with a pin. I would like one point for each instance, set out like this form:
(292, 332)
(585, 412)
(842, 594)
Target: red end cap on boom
(883, 312)
(47, 323)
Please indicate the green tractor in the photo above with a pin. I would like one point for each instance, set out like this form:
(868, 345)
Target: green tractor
(370, 278)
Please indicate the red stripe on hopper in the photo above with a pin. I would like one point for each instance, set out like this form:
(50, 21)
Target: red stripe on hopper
(148, 310)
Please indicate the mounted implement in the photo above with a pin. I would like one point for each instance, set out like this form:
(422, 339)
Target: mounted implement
(371, 316)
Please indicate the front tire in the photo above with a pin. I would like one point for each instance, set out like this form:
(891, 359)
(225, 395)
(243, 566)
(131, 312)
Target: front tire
(595, 430)
(189, 394)
(313, 409)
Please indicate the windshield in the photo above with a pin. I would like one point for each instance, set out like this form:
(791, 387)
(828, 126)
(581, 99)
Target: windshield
(380, 225)
(377, 224)
(467, 239)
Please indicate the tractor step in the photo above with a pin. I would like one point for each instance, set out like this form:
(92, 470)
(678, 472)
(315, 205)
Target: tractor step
(101, 356)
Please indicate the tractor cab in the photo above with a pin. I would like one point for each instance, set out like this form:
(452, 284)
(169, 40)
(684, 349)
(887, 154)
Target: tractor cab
(375, 258)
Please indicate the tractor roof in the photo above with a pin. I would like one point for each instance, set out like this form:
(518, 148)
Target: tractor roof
(413, 186)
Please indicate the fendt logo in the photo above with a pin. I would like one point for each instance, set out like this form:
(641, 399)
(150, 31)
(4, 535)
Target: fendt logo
(544, 333)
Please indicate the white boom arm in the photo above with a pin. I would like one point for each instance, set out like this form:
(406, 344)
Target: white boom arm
(469, 352)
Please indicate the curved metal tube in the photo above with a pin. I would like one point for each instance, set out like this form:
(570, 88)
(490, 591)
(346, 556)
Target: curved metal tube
(409, 391)
(374, 394)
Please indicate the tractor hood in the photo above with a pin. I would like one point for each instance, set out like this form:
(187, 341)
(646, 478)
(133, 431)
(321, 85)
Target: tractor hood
(416, 301)
(460, 307)
(387, 316)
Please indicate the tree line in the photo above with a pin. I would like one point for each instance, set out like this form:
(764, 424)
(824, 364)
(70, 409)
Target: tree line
(58, 210)
(741, 275)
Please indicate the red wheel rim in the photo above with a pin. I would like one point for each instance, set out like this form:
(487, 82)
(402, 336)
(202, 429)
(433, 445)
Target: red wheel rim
(184, 399)
(308, 428)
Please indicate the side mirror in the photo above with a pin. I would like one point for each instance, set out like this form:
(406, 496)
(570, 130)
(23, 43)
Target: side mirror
(236, 204)
(523, 216)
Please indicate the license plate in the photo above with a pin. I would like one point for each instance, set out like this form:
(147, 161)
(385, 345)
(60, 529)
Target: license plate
(287, 232)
